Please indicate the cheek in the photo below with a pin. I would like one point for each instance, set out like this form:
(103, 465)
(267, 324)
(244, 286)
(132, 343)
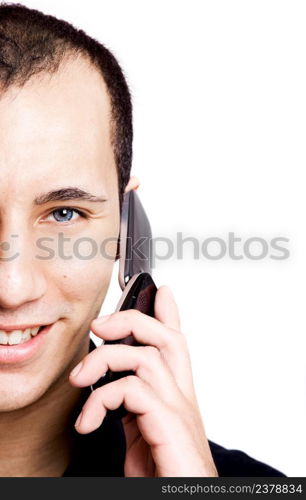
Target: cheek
(80, 281)
(82, 286)
(81, 266)
(79, 274)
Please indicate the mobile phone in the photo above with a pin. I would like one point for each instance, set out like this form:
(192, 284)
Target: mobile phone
(135, 280)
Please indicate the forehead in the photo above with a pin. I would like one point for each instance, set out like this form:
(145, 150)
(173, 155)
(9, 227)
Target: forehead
(55, 120)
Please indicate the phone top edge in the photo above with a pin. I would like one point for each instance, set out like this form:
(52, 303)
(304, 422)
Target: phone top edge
(134, 227)
(123, 240)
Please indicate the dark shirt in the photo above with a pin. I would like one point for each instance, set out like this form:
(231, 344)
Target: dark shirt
(102, 453)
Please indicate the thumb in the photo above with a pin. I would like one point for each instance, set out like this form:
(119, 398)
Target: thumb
(165, 308)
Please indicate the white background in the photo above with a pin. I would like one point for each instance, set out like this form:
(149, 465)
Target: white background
(220, 118)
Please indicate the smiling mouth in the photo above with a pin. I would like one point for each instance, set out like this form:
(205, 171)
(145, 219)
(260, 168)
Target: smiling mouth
(17, 337)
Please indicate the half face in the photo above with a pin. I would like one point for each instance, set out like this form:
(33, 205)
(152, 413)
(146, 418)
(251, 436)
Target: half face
(59, 222)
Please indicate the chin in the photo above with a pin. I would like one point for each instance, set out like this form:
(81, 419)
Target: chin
(20, 391)
(17, 399)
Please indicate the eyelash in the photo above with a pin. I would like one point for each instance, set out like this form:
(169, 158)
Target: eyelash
(79, 212)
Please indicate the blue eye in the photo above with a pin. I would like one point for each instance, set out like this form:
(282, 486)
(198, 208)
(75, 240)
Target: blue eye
(64, 214)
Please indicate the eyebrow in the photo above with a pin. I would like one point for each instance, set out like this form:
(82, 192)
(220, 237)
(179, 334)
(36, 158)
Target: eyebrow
(69, 193)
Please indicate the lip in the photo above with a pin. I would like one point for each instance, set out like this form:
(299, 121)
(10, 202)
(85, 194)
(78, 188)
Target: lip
(19, 327)
(12, 354)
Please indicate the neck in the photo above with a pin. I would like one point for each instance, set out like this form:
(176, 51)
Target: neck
(36, 440)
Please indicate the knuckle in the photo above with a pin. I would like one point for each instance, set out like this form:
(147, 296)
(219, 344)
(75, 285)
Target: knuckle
(133, 314)
(95, 396)
(182, 339)
(129, 380)
(151, 352)
(132, 382)
(177, 340)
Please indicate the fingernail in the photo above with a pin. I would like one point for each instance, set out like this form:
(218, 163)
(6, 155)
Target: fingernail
(78, 420)
(76, 369)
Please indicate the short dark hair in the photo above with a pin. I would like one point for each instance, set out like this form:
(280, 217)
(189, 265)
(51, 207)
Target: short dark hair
(32, 42)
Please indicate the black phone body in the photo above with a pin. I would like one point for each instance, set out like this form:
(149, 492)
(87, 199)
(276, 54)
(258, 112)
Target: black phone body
(139, 294)
(135, 278)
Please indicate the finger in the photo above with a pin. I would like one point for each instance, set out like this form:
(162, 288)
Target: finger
(149, 331)
(145, 361)
(145, 329)
(172, 434)
(165, 308)
(136, 396)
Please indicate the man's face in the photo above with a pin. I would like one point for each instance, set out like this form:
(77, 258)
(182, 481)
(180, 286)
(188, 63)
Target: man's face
(54, 134)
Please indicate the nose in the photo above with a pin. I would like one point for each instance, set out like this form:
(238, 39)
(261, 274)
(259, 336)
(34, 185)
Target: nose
(21, 277)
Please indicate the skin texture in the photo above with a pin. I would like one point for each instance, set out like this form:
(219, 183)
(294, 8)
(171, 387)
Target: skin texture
(55, 133)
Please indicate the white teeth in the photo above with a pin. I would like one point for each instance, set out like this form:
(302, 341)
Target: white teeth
(34, 330)
(26, 334)
(17, 336)
(3, 338)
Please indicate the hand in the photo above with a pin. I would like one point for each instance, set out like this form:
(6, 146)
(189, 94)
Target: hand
(164, 431)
